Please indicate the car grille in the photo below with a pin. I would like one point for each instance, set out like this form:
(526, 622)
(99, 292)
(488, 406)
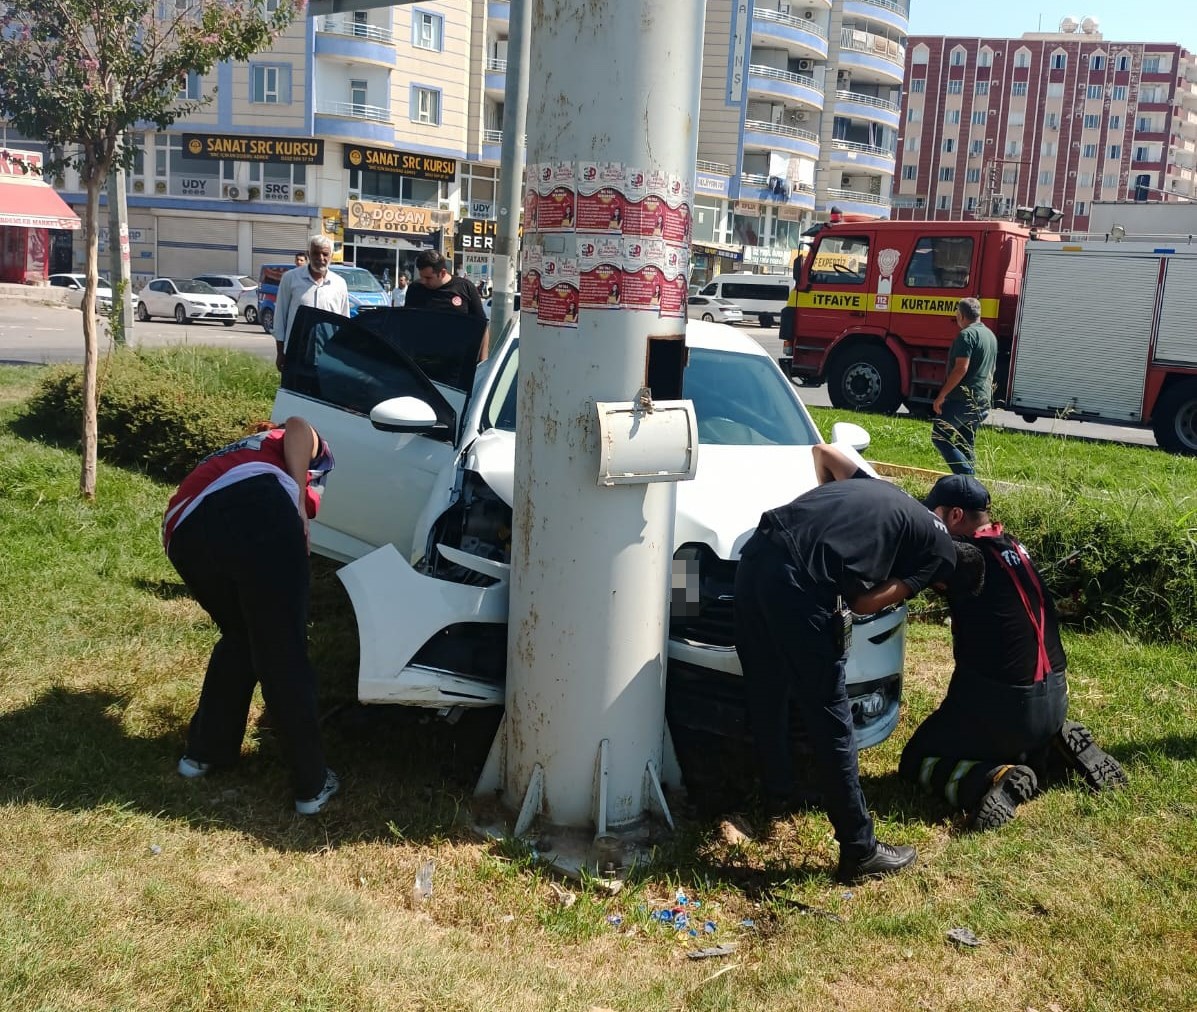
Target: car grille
(713, 624)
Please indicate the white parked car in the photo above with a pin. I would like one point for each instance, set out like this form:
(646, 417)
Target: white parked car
(74, 283)
(185, 300)
(713, 310)
(421, 499)
(241, 289)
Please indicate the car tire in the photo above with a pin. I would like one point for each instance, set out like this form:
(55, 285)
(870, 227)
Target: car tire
(143, 314)
(708, 317)
(180, 313)
(1174, 420)
(765, 319)
(864, 377)
(228, 323)
(251, 314)
(267, 319)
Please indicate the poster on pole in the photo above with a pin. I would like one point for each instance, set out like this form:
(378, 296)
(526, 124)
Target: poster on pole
(675, 282)
(600, 266)
(557, 304)
(643, 274)
(600, 197)
(556, 195)
(533, 262)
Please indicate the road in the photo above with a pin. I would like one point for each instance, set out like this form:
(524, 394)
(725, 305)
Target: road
(32, 333)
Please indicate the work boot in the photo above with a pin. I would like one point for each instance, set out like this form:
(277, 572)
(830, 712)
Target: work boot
(885, 860)
(1012, 785)
(1075, 745)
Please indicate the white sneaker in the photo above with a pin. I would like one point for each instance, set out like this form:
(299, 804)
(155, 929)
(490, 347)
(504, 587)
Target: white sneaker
(192, 768)
(313, 805)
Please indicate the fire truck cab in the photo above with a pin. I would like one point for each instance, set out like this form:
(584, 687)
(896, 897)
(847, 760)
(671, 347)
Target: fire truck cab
(873, 308)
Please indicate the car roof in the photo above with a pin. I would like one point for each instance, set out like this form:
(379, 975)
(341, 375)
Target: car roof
(721, 337)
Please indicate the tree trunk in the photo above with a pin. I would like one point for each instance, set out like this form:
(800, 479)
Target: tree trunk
(87, 477)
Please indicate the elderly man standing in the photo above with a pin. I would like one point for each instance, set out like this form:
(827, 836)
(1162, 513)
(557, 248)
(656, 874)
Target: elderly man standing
(311, 285)
(964, 399)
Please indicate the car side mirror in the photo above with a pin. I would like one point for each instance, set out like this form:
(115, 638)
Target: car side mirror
(404, 414)
(854, 435)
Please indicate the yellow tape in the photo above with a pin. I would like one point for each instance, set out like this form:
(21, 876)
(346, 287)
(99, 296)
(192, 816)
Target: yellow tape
(917, 305)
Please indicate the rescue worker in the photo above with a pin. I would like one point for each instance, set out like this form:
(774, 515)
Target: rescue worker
(852, 542)
(1002, 726)
(963, 401)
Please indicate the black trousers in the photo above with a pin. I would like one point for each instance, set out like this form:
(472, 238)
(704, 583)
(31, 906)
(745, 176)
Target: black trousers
(979, 727)
(788, 647)
(242, 555)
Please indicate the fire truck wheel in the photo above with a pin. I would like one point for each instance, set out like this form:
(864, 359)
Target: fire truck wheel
(864, 377)
(1174, 420)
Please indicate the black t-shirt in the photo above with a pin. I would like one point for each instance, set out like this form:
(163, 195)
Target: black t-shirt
(850, 535)
(457, 295)
(993, 635)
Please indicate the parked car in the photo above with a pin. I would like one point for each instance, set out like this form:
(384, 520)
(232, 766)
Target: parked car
(73, 283)
(713, 310)
(761, 295)
(185, 300)
(422, 499)
(241, 289)
(364, 290)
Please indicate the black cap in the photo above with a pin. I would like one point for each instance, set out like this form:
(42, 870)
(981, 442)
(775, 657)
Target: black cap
(961, 490)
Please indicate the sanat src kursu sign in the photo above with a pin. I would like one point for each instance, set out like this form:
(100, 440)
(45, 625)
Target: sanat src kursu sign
(229, 147)
(402, 163)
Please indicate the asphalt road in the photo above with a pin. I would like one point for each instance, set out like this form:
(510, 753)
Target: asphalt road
(33, 333)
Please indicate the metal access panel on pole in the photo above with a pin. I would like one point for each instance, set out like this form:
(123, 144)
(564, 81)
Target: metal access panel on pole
(602, 434)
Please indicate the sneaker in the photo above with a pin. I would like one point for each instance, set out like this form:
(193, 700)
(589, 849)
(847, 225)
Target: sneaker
(192, 768)
(313, 805)
(1100, 770)
(1012, 785)
(885, 860)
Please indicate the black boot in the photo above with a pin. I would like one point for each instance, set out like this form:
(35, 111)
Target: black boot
(884, 860)
(1075, 745)
(1012, 785)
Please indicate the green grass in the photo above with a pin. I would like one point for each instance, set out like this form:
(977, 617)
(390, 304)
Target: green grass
(124, 887)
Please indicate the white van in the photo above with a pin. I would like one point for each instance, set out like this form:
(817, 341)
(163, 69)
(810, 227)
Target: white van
(760, 295)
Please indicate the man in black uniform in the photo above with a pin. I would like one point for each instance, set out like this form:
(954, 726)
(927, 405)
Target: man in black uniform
(864, 543)
(438, 289)
(1001, 727)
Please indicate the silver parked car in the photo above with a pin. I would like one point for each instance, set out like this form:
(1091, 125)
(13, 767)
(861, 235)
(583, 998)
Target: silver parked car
(73, 283)
(713, 309)
(185, 300)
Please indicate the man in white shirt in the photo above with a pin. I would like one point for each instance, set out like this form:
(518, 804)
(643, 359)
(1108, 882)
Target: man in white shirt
(314, 285)
(399, 292)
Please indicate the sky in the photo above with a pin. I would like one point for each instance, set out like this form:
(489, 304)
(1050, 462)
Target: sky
(1121, 20)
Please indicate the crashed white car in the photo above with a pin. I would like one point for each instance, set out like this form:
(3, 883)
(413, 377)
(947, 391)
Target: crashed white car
(420, 505)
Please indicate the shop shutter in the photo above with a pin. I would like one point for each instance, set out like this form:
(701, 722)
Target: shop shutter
(196, 245)
(278, 243)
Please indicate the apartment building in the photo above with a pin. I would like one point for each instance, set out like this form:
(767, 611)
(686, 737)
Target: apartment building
(382, 128)
(1061, 118)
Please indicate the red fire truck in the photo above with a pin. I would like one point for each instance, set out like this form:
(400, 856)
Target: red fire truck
(1098, 331)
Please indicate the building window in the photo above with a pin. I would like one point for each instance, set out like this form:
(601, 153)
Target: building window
(1055, 89)
(955, 87)
(1013, 148)
(1124, 62)
(1110, 181)
(1097, 62)
(1018, 88)
(1059, 61)
(952, 117)
(266, 83)
(970, 204)
(427, 30)
(1145, 125)
(979, 117)
(1053, 121)
(958, 56)
(985, 57)
(1048, 148)
(1022, 58)
(1009, 175)
(912, 142)
(1119, 93)
(1092, 121)
(1079, 208)
(1045, 177)
(949, 145)
(920, 54)
(981, 88)
(947, 174)
(1094, 91)
(358, 92)
(425, 105)
(1143, 154)
(1089, 151)
(191, 87)
(975, 147)
(1084, 179)
(910, 171)
(913, 114)
(973, 176)
(1115, 151)
(1115, 122)
(943, 203)
(1151, 65)
(1016, 118)
(916, 86)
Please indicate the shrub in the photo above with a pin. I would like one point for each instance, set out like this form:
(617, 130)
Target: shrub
(160, 411)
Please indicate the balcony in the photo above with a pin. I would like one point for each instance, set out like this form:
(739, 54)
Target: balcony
(782, 84)
(855, 105)
(345, 39)
(759, 134)
(354, 121)
(799, 36)
(354, 110)
(801, 194)
(496, 78)
(492, 136)
(892, 13)
(872, 55)
(862, 156)
(338, 24)
(856, 202)
(719, 168)
(498, 12)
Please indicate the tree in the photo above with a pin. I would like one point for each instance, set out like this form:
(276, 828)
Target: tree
(78, 74)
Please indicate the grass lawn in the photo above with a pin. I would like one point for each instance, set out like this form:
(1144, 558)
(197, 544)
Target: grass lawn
(124, 887)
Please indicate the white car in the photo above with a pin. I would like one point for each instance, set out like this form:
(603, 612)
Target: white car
(713, 310)
(185, 300)
(74, 284)
(241, 289)
(419, 505)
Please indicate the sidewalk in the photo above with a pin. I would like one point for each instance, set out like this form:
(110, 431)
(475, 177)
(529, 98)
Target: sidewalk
(42, 294)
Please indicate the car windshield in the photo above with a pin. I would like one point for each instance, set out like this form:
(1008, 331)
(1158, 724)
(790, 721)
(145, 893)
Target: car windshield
(739, 400)
(357, 279)
(195, 288)
(245, 282)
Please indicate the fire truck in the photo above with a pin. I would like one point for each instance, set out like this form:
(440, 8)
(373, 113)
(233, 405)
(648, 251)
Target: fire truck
(1090, 330)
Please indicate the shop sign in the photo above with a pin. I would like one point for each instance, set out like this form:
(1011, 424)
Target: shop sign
(401, 163)
(475, 235)
(370, 216)
(228, 147)
(276, 191)
(482, 209)
(707, 183)
(788, 212)
(752, 208)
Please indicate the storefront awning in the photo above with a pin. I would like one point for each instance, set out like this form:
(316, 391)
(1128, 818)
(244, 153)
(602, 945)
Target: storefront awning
(33, 204)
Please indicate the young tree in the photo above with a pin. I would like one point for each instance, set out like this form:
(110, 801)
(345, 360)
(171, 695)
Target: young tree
(77, 74)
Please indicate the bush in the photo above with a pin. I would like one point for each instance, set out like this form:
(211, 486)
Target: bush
(160, 411)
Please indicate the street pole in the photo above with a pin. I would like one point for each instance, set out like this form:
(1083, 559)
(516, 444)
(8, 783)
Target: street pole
(511, 164)
(120, 273)
(614, 101)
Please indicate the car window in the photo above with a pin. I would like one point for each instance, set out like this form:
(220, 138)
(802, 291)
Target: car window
(840, 260)
(696, 300)
(209, 279)
(940, 262)
(711, 289)
(357, 279)
(195, 288)
(60, 282)
(245, 282)
(160, 286)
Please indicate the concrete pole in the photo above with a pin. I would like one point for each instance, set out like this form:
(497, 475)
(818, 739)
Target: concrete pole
(120, 267)
(616, 83)
(511, 164)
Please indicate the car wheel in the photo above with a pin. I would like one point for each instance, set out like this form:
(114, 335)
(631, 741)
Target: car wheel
(143, 314)
(864, 377)
(251, 314)
(1174, 420)
(765, 319)
(267, 318)
(180, 313)
(708, 317)
(228, 323)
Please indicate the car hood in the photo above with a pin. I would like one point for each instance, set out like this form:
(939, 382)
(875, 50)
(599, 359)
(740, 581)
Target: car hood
(720, 507)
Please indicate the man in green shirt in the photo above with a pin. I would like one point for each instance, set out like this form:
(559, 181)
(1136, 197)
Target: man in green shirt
(964, 399)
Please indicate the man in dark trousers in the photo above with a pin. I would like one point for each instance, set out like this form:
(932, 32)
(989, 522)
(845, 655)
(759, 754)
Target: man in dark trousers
(436, 288)
(853, 542)
(237, 532)
(1002, 726)
(963, 401)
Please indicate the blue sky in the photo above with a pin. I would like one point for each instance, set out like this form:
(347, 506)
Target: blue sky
(1121, 21)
